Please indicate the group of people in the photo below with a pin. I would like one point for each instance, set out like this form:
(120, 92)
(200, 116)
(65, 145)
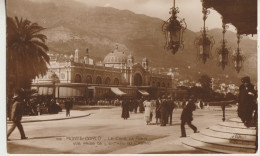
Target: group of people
(162, 108)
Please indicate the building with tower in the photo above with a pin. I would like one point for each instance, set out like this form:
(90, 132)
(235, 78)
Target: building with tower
(81, 77)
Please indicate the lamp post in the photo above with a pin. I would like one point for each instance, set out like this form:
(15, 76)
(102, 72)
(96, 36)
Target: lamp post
(224, 51)
(238, 59)
(173, 30)
(54, 80)
(204, 42)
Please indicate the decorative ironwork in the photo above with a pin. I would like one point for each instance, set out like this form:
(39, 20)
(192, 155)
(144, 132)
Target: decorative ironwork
(237, 57)
(223, 52)
(204, 42)
(173, 30)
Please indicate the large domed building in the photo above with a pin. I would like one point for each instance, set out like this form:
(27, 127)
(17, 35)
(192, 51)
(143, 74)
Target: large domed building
(116, 59)
(79, 78)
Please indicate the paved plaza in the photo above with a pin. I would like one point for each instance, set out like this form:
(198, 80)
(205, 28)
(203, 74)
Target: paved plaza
(99, 130)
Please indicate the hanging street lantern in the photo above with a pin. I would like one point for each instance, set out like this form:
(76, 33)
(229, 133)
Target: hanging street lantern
(237, 58)
(224, 51)
(204, 42)
(173, 30)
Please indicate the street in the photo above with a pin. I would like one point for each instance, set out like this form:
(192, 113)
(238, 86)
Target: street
(104, 131)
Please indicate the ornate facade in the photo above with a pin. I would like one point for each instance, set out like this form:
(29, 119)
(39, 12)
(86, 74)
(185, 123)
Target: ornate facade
(117, 70)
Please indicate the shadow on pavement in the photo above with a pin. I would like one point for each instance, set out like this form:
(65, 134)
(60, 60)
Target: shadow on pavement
(45, 137)
(32, 138)
(83, 108)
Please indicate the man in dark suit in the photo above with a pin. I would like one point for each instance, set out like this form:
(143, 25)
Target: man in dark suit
(17, 112)
(246, 100)
(163, 110)
(170, 109)
(186, 117)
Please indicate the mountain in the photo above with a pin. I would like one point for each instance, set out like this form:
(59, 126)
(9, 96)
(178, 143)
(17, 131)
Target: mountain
(72, 24)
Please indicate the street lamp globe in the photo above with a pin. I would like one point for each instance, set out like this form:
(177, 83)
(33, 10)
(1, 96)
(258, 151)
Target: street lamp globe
(173, 30)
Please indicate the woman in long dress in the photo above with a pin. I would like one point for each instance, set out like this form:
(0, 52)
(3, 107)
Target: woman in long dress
(125, 110)
(147, 112)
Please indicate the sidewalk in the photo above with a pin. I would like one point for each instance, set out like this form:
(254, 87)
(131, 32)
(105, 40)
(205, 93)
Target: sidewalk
(82, 112)
(51, 117)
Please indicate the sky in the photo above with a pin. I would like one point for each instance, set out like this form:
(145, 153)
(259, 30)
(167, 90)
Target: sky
(191, 10)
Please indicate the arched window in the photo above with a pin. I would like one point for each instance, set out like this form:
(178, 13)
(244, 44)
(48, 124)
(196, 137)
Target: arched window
(107, 81)
(158, 84)
(116, 81)
(163, 84)
(89, 79)
(77, 78)
(98, 80)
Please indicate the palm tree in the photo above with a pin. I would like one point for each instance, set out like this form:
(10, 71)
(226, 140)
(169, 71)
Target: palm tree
(26, 53)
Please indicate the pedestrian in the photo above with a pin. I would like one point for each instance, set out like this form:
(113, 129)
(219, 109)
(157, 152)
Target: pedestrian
(157, 111)
(38, 109)
(171, 108)
(17, 113)
(125, 110)
(246, 100)
(186, 117)
(68, 105)
(141, 106)
(147, 112)
(153, 104)
(135, 105)
(163, 110)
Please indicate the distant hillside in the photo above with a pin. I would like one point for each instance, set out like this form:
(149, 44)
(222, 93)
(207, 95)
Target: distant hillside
(72, 25)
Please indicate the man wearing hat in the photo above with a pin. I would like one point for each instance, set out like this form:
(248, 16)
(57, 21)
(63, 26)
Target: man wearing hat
(17, 112)
(246, 98)
(186, 116)
(163, 110)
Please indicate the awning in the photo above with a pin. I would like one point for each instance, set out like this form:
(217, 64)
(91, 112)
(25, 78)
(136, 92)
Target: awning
(143, 92)
(117, 91)
(91, 87)
(45, 91)
(65, 92)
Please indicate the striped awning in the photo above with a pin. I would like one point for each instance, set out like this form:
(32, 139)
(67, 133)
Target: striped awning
(65, 92)
(117, 91)
(143, 92)
(45, 91)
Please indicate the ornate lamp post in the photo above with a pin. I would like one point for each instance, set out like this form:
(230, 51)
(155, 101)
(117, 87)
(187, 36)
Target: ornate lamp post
(54, 80)
(204, 42)
(173, 30)
(224, 51)
(237, 58)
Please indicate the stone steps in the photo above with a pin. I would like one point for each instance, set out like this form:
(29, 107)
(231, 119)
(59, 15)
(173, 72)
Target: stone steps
(223, 144)
(233, 130)
(230, 137)
(204, 146)
(235, 125)
(245, 138)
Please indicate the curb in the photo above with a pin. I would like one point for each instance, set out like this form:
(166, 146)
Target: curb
(10, 122)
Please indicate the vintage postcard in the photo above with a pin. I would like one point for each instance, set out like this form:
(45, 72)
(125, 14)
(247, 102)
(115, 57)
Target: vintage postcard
(131, 77)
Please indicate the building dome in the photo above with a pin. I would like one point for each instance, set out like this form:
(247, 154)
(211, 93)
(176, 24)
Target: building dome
(115, 57)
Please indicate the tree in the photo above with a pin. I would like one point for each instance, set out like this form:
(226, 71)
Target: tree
(26, 53)
(206, 83)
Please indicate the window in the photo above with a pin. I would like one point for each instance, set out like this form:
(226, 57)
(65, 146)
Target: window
(98, 80)
(89, 79)
(116, 81)
(107, 81)
(77, 78)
